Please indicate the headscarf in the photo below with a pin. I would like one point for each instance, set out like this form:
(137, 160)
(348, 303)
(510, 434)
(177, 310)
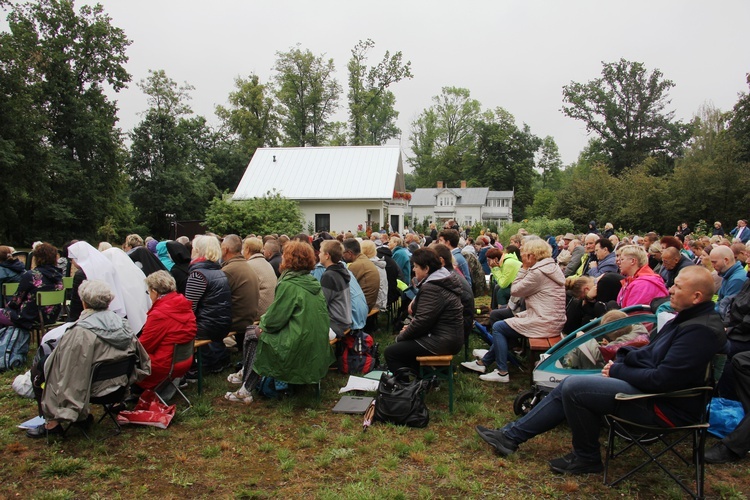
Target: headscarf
(151, 245)
(181, 258)
(146, 261)
(97, 267)
(163, 254)
(133, 286)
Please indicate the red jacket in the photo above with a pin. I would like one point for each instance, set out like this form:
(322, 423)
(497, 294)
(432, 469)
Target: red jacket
(170, 321)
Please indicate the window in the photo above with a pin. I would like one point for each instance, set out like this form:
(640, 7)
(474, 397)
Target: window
(322, 222)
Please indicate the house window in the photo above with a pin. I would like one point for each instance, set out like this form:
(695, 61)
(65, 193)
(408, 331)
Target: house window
(322, 222)
(468, 221)
(505, 203)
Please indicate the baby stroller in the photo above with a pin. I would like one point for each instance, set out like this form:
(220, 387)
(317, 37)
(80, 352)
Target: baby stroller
(551, 371)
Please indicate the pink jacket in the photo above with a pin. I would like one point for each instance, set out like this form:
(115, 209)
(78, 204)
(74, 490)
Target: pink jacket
(642, 288)
(543, 287)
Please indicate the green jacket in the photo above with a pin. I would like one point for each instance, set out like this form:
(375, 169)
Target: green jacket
(293, 346)
(505, 274)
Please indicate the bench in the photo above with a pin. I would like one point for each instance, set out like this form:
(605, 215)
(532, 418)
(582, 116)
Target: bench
(537, 347)
(441, 367)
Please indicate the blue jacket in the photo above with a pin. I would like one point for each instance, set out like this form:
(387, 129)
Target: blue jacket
(402, 257)
(744, 237)
(731, 284)
(359, 303)
(213, 312)
(606, 265)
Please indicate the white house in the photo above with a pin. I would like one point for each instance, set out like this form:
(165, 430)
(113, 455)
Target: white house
(338, 188)
(464, 205)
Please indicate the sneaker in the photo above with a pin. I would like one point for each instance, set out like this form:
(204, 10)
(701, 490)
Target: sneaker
(190, 377)
(241, 395)
(495, 376)
(235, 378)
(570, 464)
(479, 353)
(720, 454)
(474, 366)
(496, 438)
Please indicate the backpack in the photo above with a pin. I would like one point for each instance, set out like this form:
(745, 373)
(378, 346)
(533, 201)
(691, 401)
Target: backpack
(399, 400)
(359, 354)
(14, 346)
(478, 280)
(272, 388)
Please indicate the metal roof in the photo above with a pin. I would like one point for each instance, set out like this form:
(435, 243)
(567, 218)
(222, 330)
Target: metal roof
(324, 173)
(467, 196)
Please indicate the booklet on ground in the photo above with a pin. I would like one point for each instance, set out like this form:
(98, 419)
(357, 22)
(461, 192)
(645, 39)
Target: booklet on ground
(352, 405)
(30, 424)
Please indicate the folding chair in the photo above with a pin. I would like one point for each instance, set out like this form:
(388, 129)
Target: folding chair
(46, 299)
(109, 370)
(645, 437)
(167, 388)
(9, 290)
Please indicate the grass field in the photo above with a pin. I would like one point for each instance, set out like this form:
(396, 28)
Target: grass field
(296, 447)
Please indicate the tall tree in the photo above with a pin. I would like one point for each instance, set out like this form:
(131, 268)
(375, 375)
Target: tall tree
(308, 94)
(627, 109)
(740, 124)
(61, 156)
(169, 162)
(549, 163)
(372, 116)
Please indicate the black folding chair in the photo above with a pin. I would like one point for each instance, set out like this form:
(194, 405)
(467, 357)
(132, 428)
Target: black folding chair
(167, 388)
(112, 401)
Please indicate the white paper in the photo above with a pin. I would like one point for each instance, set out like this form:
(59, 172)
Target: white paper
(30, 424)
(360, 384)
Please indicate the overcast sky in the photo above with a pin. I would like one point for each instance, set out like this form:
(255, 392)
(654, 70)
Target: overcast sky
(513, 54)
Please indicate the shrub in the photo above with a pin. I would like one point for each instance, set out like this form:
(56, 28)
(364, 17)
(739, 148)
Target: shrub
(270, 214)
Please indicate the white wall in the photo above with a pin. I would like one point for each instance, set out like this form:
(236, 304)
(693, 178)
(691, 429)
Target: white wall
(345, 215)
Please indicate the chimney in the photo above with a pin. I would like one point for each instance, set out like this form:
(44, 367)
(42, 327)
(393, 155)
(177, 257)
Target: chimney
(463, 184)
(440, 184)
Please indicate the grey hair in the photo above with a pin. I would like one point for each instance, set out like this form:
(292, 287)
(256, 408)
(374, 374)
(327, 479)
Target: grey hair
(96, 294)
(161, 282)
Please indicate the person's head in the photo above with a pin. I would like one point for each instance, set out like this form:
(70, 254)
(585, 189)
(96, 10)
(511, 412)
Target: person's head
(385, 239)
(252, 246)
(589, 242)
(368, 249)
(449, 237)
(609, 227)
(132, 241)
(45, 254)
(612, 316)
(655, 251)
(742, 223)
(231, 246)
(631, 259)
(95, 294)
(739, 250)
(649, 239)
(493, 256)
(270, 248)
(352, 249)
(670, 257)
(206, 247)
(297, 256)
(184, 240)
(425, 261)
(535, 250)
(6, 253)
(514, 250)
(722, 258)
(614, 239)
(603, 248)
(670, 241)
(104, 245)
(580, 286)
(331, 251)
(717, 224)
(160, 283)
(574, 244)
(300, 237)
(444, 254)
(694, 285)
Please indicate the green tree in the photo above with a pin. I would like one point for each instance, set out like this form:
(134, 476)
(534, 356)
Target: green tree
(372, 116)
(169, 162)
(549, 163)
(308, 94)
(740, 125)
(270, 214)
(61, 155)
(627, 109)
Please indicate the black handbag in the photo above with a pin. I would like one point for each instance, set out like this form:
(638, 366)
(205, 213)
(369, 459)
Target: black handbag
(399, 399)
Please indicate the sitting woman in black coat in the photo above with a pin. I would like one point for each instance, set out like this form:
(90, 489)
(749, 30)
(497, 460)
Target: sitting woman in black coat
(436, 327)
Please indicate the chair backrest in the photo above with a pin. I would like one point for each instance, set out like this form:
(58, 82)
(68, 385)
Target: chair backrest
(67, 282)
(108, 370)
(9, 289)
(50, 298)
(183, 352)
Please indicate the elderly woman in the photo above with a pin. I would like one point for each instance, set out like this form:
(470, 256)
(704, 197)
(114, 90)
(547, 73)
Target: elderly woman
(208, 289)
(641, 284)
(436, 327)
(98, 335)
(11, 268)
(22, 311)
(542, 284)
(170, 321)
(293, 346)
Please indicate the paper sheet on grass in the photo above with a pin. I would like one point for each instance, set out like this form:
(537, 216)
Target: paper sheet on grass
(360, 384)
(30, 424)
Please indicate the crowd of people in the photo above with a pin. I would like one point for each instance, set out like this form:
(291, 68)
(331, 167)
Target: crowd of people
(285, 301)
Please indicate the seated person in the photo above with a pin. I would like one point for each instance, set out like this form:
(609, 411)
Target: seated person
(11, 268)
(588, 355)
(590, 299)
(170, 321)
(436, 327)
(98, 335)
(504, 267)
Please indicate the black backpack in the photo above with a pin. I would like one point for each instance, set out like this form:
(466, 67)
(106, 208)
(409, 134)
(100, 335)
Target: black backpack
(399, 399)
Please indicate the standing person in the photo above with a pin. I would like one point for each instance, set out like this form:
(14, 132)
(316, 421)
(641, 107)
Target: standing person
(717, 229)
(741, 232)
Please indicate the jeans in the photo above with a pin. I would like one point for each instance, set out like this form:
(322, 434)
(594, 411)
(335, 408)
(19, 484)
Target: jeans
(498, 353)
(582, 400)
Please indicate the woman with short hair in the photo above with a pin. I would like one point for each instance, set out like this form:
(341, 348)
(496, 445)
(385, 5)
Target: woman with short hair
(641, 284)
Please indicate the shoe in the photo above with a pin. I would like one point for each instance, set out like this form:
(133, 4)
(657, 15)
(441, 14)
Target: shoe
(235, 378)
(479, 353)
(474, 366)
(570, 464)
(496, 438)
(84, 424)
(190, 377)
(720, 454)
(41, 431)
(239, 396)
(495, 376)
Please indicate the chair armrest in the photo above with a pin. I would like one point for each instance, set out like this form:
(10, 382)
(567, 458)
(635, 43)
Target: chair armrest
(683, 393)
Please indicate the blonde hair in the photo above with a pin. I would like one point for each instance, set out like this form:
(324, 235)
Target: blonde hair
(207, 247)
(252, 245)
(368, 249)
(538, 248)
(612, 316)
(637, 252)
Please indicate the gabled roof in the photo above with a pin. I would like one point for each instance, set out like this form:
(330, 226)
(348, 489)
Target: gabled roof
(467, 196)
(324, 173)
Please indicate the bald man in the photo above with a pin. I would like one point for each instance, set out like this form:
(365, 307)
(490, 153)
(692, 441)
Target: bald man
(732, 274)
(675, 359)
(673, 261)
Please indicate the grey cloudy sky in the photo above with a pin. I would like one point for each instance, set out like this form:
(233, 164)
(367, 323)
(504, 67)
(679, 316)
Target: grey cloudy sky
(513, 54)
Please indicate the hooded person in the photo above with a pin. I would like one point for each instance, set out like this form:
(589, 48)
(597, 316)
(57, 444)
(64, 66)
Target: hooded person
(11, 268)
(180, 256)
(146, 261)
(133, 287)
(553, 243)
(95, 266)
(392, 271)
(163, 254)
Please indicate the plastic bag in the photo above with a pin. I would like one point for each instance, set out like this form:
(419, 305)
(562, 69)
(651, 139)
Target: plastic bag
(725, 416)
(149, 411)
(22, 385)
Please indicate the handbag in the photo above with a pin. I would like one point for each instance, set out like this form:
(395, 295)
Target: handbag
(399, 399)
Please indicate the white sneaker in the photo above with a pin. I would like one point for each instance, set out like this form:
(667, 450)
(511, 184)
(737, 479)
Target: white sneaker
(235, 378)
(474, 366)
(479, 353)
(239, 396)
(495, 377)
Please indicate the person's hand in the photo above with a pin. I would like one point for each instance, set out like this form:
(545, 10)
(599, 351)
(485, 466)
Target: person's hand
(592, 265)
(591, 293)
(605, 370)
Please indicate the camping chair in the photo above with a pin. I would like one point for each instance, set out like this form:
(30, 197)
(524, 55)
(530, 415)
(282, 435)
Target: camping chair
(167, 388)
(46, 299)
(108, 370)
(9, 290)
(645, 437)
